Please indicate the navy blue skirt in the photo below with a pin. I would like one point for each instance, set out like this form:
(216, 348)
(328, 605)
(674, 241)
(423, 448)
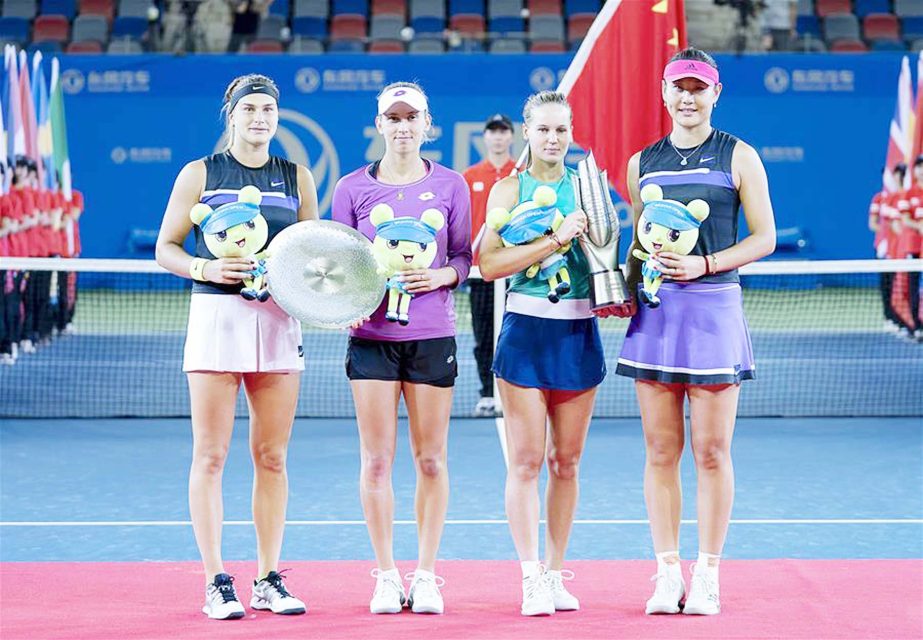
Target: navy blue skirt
(549, 353)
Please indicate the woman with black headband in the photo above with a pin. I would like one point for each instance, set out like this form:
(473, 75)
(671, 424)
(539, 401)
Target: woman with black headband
(233, 340)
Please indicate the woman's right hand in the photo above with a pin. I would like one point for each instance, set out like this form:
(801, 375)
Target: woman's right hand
(574, 224)
(228, 270)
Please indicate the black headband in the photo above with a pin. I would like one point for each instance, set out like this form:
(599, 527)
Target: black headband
(253, 87)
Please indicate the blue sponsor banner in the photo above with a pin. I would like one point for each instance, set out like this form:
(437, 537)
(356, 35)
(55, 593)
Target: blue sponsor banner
(820, 122)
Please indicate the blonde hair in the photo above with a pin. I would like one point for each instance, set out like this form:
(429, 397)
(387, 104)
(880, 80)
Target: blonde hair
(540, 99)
(237, 83)
(416, 87)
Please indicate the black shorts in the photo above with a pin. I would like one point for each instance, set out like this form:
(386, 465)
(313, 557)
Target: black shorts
(431, 362)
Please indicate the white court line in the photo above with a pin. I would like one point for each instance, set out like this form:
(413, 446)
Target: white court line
(328, 523)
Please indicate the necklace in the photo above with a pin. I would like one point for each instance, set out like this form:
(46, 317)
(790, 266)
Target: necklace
(685, 158)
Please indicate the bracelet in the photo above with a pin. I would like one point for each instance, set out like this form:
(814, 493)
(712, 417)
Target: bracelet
(197, 269)
(554, 239)
(707, 266)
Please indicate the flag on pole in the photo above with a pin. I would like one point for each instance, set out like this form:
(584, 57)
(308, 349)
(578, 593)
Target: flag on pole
(4, 164)
(40, 98)
(899, 139)
(29, 124)
(613, 83)
(916, 147)
(16, 141)
(62, 163)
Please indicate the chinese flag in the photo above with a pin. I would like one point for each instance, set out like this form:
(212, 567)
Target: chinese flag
(613, 83)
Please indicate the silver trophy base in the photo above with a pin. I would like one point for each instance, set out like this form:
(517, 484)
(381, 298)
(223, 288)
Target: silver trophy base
(607, 289)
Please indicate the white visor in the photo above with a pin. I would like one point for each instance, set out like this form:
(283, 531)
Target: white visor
(407, 95)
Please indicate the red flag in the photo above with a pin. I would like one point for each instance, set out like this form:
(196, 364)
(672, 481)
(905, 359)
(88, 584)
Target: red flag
(29, 123)
(899, 139)
(613, 83)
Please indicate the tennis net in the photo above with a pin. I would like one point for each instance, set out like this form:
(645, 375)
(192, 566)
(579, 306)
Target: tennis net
(105, 339)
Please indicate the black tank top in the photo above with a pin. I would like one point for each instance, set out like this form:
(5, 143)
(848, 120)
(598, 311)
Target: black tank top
(707, 175)
(277, 180)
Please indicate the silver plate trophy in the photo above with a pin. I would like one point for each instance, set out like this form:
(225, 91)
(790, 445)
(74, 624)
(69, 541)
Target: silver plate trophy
(324, 274)
(600, 243)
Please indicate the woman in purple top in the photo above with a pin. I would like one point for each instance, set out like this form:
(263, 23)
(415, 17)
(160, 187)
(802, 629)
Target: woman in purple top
(418, 214)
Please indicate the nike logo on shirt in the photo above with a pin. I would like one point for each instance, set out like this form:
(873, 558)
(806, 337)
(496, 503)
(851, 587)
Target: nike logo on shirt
(708, 159)
(276, 184)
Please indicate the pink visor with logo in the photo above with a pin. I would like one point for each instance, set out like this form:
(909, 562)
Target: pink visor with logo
(679, 69)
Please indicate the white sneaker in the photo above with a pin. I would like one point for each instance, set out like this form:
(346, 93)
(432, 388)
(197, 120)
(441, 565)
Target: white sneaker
(562, 598)
(485, 408)
(270, 593)
(536, 596)
(668, 593)
(424, 596)
(388, 596)
(26, 346)
(703, 598)
(221, 601)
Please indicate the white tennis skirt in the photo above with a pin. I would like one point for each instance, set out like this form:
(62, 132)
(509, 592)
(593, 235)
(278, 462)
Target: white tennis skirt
(228, 333)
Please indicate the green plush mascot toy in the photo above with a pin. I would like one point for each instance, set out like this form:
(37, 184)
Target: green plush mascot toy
(402, 244)
(238, 230)
(664, 225)
(530, 220)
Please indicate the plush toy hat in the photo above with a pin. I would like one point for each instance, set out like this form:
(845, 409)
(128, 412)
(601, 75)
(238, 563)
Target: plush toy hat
(229, 215)
(406, 228)
(669, 213)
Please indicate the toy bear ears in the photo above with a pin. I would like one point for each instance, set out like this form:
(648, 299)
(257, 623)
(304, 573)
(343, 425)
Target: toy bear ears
(651, 192)
(198, 212)
(249, 194)
(544, 196)
(698, 208)
(381, 213)
(434, 218)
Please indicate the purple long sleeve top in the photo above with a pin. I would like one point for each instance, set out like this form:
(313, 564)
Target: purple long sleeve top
(432, 314)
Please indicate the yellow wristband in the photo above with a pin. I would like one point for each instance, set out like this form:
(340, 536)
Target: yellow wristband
(197, 269)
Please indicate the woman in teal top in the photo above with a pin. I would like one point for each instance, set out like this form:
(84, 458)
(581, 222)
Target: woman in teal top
(549, 357)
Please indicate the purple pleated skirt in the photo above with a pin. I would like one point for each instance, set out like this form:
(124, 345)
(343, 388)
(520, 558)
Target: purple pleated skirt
(698, 335)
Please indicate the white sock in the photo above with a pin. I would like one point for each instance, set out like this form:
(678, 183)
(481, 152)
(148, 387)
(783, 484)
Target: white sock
(670, 568)
(529, 568)
(703, 564)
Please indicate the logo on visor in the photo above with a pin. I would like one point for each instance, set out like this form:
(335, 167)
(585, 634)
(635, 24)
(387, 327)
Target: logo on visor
(399, 92)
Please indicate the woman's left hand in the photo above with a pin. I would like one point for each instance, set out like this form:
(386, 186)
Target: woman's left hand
(679, 267)
(423, 280)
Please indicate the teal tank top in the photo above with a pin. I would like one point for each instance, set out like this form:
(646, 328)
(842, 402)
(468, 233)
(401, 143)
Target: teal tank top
(577, 265)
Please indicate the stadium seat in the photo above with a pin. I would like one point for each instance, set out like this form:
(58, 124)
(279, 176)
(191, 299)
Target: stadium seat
(51, 29)
(466, 6)
(427, 26)
(810, 44)
(507, 45)
(389, 7)
(347, 27)
(386, 46)
(573, 7)
(824, 8)
(546, 28)
(866, 7)
(504, 8)
(847, 45)
(386, 27)
(48, 48)
(313, 8)
(426, 45)
(908, 7)
(124, 46)
(265, 46)
(129, 27)
(84, 46)
(89, 28)
(917, 45)
(19, 9)
(357, 7)
(578, 25)
(808, 25)
(468, 25)
(346, 45)
(467, 45)
(912, 28)
(841, 26)
(66, 8)
(306, 45)
(310, 27)
(97, 8)
(14, 30)
(280, 8)
(507, 27)
(544, 7)
(547, 46)
(271, 27)
(881, 26)
(134, 8)
(805, 7)
(427, 8)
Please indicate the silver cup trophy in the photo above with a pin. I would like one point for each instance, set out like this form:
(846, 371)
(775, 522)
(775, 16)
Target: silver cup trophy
(600, 242)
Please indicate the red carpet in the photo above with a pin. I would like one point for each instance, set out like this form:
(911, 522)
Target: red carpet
(812, 599)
